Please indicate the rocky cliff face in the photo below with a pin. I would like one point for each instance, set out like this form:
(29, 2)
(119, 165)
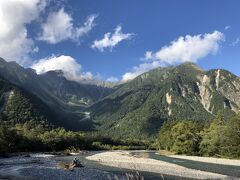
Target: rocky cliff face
(139, 107)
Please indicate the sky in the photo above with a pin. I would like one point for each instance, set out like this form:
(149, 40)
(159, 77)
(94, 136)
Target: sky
(119, 40)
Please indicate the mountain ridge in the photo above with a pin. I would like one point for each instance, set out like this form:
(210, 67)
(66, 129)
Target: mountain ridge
(135, 108)
(64, 97)
(172, 93)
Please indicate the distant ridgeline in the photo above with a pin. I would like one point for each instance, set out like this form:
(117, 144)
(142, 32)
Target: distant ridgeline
(137, 108)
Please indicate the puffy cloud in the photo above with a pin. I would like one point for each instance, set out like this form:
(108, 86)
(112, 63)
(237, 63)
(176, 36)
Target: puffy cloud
(59, 27)
(112, 79)
(69, 66)
(188, 48)
(142, 68)
(110, 40)
(15, 45)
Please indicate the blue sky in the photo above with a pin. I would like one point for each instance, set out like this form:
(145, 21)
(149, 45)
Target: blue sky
(144, 26)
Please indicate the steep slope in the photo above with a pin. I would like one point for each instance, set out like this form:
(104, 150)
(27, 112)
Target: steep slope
(64, 97)
(139, 107)
(19, 106)
(73, 93)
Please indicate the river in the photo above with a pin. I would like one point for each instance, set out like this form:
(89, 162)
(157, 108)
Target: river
(148, 164)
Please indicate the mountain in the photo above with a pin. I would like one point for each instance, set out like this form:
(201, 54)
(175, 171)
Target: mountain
(71, 92)
(19, 106)
(138, 108)
(66, 98)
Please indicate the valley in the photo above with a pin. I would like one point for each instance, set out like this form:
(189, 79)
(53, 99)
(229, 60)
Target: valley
(182, 109)
(119, 90)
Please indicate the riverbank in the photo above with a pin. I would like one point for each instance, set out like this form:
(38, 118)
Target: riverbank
(45, 167)
(101, 165)
(169, 165)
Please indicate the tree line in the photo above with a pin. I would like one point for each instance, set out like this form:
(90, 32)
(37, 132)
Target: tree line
(37, 136)
(219, 137)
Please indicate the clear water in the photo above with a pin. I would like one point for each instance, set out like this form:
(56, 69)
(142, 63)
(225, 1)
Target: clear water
(229, 170)
(115, 170)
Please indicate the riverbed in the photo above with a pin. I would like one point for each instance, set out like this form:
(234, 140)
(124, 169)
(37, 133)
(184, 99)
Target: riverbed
(111, 164)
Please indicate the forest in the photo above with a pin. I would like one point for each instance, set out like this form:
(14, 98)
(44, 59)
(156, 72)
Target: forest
(219, 137)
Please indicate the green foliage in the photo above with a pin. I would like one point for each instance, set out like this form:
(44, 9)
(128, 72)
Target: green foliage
(10, 140)
(213, 137)
(63, 97)
(186, 135)
(231, 146)
(20, 109)
(217, 138)
(34, 136)
(165, 139)
(139, 107)
(181, 137)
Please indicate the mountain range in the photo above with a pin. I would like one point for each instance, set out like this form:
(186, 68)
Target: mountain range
(185, 92)
(65, 98)
(136, 108)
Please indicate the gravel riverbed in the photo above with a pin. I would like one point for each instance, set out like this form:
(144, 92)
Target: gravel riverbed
(175, 166)
(44, 168)
(101, 165)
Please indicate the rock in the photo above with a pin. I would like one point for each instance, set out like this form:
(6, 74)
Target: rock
(76, 163)
(27, 156)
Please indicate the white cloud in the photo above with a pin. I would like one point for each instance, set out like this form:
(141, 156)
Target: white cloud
(148, 55)
(188, 48)
(59, 27)
(227, 27)
(142, 68)
(112, 79)
(110, 40)
(15, 45)
(71, 68)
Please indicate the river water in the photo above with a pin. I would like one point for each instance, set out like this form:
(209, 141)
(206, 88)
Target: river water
(119, 171)
(12, 165)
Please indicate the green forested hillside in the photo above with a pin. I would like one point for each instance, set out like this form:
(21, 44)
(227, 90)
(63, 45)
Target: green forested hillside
(64, 97)
(181, 102)
(19, 106)
(139, 108)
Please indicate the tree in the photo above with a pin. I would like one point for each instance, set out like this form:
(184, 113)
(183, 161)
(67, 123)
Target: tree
(3, 142)
(165, 140)
(213, 137)
(186, 138)
(182, 137)
(232, 138)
